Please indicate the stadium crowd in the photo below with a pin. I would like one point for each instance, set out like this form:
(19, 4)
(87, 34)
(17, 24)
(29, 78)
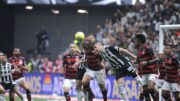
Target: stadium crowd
(121, 28)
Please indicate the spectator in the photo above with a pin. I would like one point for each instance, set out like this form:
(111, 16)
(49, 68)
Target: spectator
(42, 40)
(36, 63)
(47, 65)
(59, 64)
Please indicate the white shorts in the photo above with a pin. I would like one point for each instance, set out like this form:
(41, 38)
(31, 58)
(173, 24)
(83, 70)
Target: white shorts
(171, 86)
(18, 81)
(68, 83)
(100, 75)
(160, 83)
(148, 77)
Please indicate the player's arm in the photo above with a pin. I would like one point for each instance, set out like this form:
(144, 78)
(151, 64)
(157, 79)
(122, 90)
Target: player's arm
(14, 68)
(24, 66)
(127, 52)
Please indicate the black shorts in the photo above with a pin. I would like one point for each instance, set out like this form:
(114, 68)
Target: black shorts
(120, 73)
(8, 86)
(81, 73)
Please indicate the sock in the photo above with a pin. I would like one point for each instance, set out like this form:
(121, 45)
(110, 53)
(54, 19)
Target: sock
(79, 95)
(67, 96)
(123, 92)
(28, 94)
(88, 92)
(104, 93)
(91, 94)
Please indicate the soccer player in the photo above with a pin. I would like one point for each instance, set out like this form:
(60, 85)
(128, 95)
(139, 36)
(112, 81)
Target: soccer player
(70, 73)
(114, 55)
(172, 76)
(81, 71)
(18, 77)
(162, 71)
(95, 69)
(148, 63)
(6, 80)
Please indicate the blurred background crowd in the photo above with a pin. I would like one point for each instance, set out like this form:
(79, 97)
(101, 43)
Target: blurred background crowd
(121, 27)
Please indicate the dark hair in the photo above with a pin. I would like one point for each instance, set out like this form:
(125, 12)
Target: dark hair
(141, 38)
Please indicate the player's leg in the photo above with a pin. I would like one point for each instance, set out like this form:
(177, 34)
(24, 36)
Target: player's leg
(24, 85)
(152, 87)
(101, 78)
(89, 75)
(177, 95)
(166, 91)
(2, 92)
(166, 95)
(17, 84)
(145, 87)
(11, 92)
(159, 85)
(79, 90)
(19, 93)
(66, 87)
(138, 79)
(120, 81)
(176, 91)
(122, 89)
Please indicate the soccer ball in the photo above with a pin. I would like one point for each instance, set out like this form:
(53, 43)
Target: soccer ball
(79, 36)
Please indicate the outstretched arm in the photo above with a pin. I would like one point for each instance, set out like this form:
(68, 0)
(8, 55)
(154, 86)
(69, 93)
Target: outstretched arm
(127, 52)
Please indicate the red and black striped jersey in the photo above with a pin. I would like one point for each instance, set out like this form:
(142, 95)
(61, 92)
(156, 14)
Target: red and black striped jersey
(172, 73)
(68, 61)
(147, 54)
(20, 61)
(162, 70)
(93, 61)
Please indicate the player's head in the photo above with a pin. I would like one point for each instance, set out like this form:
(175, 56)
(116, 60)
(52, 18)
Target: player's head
(16, 52)
(4, 58)
(88, 43)
(167, 49)
(72, 48)
(98, 47)
(1, 56)
(140, 40)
